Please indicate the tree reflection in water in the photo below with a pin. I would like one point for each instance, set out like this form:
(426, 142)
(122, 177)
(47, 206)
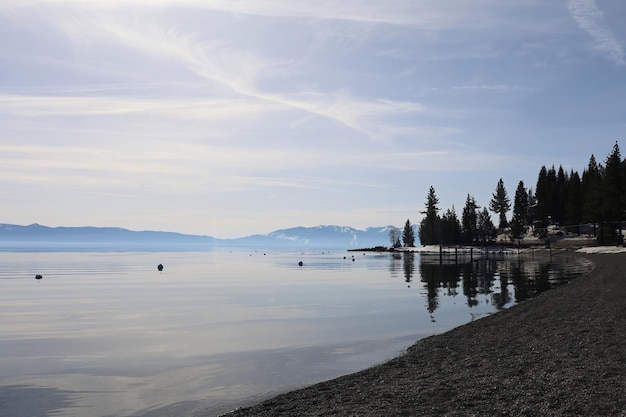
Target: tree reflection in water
(501, 281)
(408, 265)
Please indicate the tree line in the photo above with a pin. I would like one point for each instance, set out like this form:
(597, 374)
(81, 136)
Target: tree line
(593, 202)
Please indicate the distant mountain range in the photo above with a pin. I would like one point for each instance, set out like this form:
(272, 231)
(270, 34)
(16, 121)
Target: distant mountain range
(320, 236)
(40, 237)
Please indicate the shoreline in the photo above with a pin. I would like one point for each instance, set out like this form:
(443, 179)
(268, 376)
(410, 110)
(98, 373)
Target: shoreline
(560, 354)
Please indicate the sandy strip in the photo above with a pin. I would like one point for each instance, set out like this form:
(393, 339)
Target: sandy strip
(560, 354)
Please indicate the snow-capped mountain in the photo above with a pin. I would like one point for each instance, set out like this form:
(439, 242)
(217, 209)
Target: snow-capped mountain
(323, 236)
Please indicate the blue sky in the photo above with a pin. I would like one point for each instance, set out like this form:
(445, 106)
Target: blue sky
(234, 117)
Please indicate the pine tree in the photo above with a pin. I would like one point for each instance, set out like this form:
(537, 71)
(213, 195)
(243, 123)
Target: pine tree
(408, 236)
(552, 196)
(500, 203)
(560, 197)
(542, 192)
(485, 228)
(591, 184)
(521, 203)
(450, 228)
(469, 220)
(574, 202)
(531, 214)
(517, 230)
(428, 231)
(612, 195)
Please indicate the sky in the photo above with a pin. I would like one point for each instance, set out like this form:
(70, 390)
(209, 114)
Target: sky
(235, 117)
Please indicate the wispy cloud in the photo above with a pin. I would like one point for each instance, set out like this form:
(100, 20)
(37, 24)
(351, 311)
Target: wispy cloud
(488, 87)
(591, 19)
(327, 106)
(427, 14)
(218, 63)
(179, 108)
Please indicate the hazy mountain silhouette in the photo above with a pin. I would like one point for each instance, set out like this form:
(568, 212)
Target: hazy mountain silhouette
(115, 238)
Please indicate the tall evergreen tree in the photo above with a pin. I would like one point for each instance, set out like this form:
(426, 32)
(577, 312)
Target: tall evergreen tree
(612, 195)
(517, 230)
(531, 213)
(450, 228)
(469, 220)
(486, 231)
(591, 184)
(547, 196)
(560, 197)
(574, 202)
(552, 195)
(521, 204)
(428, 231)
(542, 204)
(500, 203)
(408, 236)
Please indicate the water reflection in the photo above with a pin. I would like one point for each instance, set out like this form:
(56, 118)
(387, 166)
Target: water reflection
(39, 401)
(408, 266)
(440, 279)
(111, 336)
(500, 281)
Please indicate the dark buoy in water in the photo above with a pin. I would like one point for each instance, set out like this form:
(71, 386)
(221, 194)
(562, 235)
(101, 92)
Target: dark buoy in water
(300, 263)
(38, 276)
(160, 267)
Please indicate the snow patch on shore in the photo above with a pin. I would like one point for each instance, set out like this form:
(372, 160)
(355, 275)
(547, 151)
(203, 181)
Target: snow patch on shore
(453, 249)
(602, 249)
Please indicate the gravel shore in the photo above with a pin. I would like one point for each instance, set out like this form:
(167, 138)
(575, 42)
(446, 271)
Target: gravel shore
(560, 354)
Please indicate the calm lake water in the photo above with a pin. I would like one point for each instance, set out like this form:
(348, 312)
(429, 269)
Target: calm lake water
(107, 334)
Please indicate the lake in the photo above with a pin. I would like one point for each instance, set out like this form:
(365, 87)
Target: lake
(107, 334)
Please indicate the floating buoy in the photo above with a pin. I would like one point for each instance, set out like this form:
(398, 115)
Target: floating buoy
(38, 276)
(160, 267)
(300, 263)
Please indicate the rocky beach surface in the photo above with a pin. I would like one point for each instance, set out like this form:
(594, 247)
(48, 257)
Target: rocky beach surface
(560, 354)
